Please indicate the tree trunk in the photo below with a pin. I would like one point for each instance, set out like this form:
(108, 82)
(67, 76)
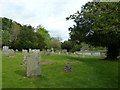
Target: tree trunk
(113, 52)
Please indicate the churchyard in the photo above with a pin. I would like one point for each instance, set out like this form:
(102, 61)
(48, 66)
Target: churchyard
(40, 48)
(37, 69)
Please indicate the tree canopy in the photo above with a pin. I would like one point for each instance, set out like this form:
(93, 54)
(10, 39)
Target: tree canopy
(19, 36)
(44, 33)
(98, 24)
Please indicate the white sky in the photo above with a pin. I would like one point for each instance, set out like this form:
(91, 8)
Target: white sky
(51, 14)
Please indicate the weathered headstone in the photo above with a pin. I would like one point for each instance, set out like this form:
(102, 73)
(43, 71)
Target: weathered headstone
(64, 51)
(24, 53)
(37, 51)
(33, 65)
(30, 50)
(5, 50)
(16, 51)
(11, 52)
(67, 67)
(48, 52)
(57, 51)
(43, 52)
(52, 49)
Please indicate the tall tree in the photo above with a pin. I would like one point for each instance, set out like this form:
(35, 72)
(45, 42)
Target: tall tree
(67, 45)
(98, 24)
(6, 38)
(44, 33)
(6, 24)
(40, 44)
(26, 38)
(55, 43)
(15, 30)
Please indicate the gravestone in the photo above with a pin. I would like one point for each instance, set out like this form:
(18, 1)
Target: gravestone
(52, 49)
(57, 51)
(37, 51)
(43, 52)
(16, 51)
(30, 50)
(24, 53)
(48, 52)
(11, 52)
(64, 51)
(67, 67)
(33, 65)
(5, 50)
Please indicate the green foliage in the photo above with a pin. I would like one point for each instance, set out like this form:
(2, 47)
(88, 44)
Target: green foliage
(67, 45)
(26, 38)
(19, 36)
(6, 24)
(55, 43)
(96, 25)
(72, 46)
(6, 38)
(16, 27)
(91, 48)
(40, 44)
(44, 33)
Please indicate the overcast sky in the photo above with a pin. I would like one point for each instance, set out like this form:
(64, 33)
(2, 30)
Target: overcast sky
(50, 14)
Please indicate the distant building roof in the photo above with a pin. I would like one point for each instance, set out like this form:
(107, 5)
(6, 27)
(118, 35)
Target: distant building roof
(85, 47)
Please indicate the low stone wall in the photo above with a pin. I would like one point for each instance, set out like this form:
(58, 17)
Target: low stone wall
(92, 53)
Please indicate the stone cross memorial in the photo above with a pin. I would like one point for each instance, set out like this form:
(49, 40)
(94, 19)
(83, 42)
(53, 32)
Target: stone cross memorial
(33, 65)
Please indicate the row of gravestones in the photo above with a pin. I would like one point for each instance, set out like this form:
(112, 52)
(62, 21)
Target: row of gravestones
(9, 52)
(32, 61)
(48, 51)
(33, 64)
(64, 51)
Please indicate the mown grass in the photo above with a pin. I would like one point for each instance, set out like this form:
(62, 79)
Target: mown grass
(87, 72)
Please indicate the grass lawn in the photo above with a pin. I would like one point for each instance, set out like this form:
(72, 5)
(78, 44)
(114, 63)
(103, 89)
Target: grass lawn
(87, 72)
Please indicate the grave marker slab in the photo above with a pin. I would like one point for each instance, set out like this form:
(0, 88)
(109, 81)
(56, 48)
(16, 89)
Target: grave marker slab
(67, 67)
(33, 65)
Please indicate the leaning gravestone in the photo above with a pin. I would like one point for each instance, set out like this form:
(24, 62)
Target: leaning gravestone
(67, 67)
(33, 65)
